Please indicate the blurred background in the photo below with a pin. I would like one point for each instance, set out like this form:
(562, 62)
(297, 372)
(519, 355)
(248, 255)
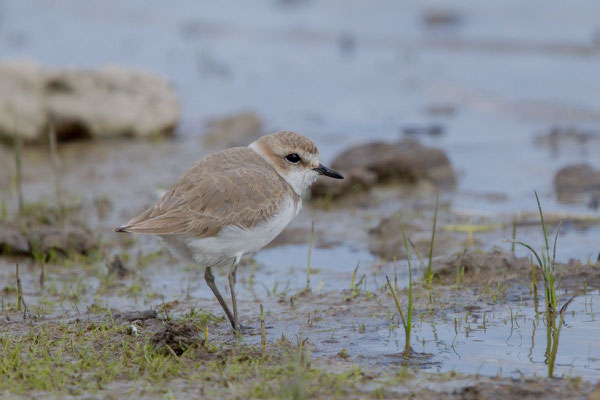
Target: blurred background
(479, 102)
(507, 89)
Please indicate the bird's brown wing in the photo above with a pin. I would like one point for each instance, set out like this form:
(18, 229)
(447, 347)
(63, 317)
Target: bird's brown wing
(232, 187)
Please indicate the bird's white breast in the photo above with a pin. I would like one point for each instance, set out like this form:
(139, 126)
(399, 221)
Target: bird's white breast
(233, 241)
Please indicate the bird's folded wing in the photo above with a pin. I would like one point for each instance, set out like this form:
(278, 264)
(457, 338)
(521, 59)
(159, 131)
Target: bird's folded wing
(208, 198)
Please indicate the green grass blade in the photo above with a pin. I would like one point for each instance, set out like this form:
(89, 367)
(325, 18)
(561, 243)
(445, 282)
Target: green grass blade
(396, 301)
(555, 241)
(543, 225)
(408, 325)
(435, 214)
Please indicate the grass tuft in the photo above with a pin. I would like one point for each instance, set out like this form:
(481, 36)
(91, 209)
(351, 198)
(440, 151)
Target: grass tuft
(547, 264)
(82, 358)
(354, 286)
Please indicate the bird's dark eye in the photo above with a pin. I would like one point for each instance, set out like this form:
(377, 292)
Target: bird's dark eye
(293, 158)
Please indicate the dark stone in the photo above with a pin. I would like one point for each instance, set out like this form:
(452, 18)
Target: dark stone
(404, 162)
(355, 180)
(578, 181)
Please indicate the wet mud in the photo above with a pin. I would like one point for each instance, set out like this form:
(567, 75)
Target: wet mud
(43, 232)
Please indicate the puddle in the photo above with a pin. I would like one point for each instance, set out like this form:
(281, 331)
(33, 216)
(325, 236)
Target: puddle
(508, 347)
(499, 347)
(274, 272)
(331, 268)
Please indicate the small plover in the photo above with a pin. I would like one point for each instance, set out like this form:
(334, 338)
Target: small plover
(233, 203)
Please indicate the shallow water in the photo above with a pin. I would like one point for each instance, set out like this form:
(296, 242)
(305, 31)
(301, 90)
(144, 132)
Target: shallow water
(501, 336)
(509, 347)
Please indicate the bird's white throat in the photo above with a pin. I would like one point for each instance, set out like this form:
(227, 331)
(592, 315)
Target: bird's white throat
(300, 179)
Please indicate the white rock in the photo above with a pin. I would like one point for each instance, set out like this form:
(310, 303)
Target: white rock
(22, 109)
(106, 102)
(133, 330)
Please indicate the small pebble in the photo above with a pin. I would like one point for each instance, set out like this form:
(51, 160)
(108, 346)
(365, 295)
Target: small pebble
(132, 330)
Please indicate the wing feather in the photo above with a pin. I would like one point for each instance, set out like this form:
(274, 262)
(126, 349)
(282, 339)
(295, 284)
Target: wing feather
(232, 187)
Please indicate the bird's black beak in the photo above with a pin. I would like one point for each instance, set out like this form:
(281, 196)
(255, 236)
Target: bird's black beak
(323, 170)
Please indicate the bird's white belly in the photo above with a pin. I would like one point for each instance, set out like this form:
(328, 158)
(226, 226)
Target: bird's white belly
(233, 241)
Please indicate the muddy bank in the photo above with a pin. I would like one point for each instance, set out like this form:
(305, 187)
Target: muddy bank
(176, 337)
(386, 239)
(526, 389)
(44, 232)
(44, 242)
(475, 266)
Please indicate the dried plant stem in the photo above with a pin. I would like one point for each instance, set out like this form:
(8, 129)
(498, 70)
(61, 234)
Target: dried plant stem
(263, 332)
(534, 287)
(410, 296)
(310, 245)
(419, 256)
(18, 171)
(514, 233)
(19, 290)
(397, 302)
(42, 275)
(55, 165)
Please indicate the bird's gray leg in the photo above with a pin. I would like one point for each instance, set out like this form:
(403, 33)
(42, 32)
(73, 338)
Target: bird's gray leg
(210, 281)
(232, 279)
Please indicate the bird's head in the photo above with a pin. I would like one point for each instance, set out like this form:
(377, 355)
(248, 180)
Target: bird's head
(294, 157)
